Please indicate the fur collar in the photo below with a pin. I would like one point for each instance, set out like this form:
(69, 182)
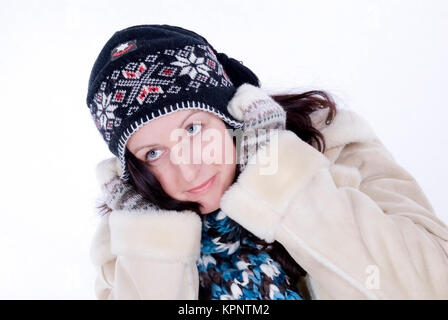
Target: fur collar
(346, 127)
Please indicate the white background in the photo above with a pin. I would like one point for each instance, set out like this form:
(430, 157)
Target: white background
(384, 59)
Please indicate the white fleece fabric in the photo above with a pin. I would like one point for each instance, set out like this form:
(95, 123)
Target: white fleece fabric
(344, 215)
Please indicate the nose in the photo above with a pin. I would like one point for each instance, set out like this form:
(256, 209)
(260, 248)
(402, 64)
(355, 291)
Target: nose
(188, 172)
(190, 168)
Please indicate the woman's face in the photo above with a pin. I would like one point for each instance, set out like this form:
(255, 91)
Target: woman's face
(191, 154)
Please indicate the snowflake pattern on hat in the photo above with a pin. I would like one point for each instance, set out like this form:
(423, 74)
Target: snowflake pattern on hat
(104, 112)
(192, 66)
(151, 79)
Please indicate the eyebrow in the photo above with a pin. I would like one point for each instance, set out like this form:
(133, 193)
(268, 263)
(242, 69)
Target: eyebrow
(181, 125)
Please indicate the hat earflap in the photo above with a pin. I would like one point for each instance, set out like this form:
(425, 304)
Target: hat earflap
(237, 72)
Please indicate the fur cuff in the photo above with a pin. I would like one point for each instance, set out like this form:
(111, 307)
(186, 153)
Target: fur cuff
(347, 126)
(108, 169)
(162, 234)
(259, 201)
(244, 97)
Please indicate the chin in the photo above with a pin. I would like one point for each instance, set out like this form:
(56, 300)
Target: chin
(208, 210)
(209, 207)
(213, 200)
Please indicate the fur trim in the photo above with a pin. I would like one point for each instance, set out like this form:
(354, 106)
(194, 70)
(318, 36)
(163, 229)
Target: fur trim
(346, 127)
(344, 176)
(158, 234)
(108, 169)
(244, 96)
(255, 200)
(100, 247)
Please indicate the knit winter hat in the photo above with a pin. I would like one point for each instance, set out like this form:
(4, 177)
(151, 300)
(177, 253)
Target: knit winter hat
(146, 71)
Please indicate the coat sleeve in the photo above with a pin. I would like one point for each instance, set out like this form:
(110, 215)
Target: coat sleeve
(141, 255)
(361, 226)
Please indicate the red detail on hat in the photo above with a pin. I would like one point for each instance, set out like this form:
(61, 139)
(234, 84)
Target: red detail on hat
(168, 71)
(119, 96)
(141, 97)
(130, 74)
(135, 75)
(119, 53)
(147, 90)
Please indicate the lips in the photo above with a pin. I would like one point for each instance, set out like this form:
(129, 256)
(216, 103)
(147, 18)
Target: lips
(203, 187)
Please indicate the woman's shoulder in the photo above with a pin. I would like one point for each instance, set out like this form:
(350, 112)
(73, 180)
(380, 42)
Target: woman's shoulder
(347, 126)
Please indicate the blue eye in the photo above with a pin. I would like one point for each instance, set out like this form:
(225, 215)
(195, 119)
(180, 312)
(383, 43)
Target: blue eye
(153, 154)
(194, 128)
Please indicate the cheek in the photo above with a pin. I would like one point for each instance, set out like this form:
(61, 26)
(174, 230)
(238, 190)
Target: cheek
(229, 149)
(217, 147)
(228, 167)
(166, 180)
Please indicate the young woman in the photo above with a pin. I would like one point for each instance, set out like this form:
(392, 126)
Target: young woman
(219, 191)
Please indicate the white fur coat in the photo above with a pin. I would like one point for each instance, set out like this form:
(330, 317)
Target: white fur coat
(353, 218)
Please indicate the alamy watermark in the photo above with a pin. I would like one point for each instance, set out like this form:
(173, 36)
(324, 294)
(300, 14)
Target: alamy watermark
(373, 277)
(253, 147)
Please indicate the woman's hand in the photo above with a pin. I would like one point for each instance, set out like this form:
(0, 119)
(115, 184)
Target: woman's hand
(261, 115)
(120, 195)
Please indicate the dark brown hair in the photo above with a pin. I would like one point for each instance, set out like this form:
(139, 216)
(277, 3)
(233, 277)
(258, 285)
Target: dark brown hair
(298, 108)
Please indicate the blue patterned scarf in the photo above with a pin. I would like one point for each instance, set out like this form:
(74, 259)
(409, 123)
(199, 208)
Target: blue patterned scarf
(233, 267)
